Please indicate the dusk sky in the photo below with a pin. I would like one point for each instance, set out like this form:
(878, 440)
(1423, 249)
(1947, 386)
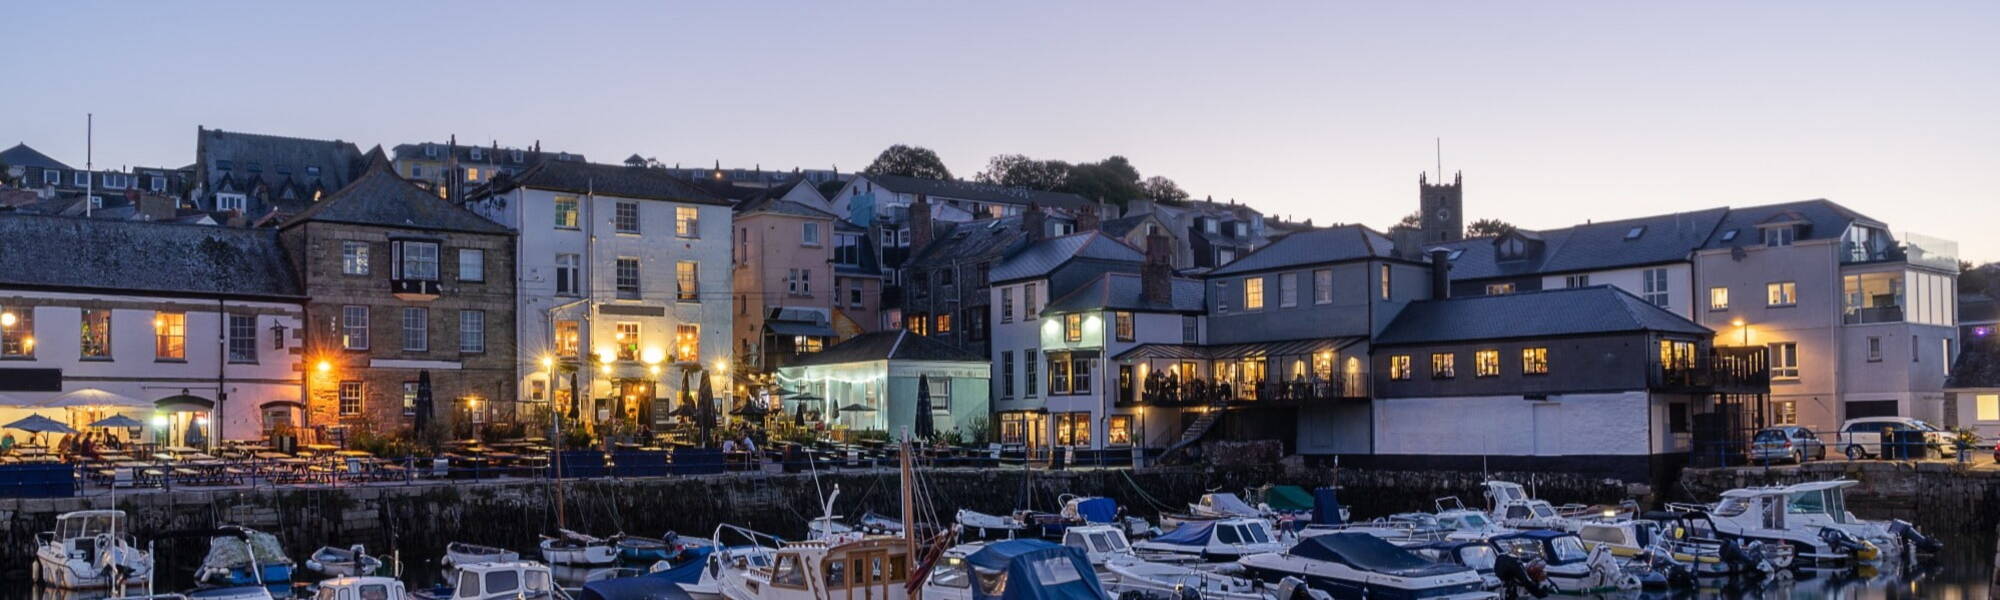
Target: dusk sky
(1555, 112)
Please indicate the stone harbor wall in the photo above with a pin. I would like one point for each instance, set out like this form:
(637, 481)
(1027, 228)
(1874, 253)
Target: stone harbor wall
(1939, 497)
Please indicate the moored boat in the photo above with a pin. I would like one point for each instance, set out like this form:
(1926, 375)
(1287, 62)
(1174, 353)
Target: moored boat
(1218, 540)
(1013, 569)
(240, 556)
(460, 553)
(570, 548)
(1572, 568)
(352, 561)
(1357, 565)
(90, 549)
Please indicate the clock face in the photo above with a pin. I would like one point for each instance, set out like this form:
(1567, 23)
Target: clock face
(1444, 214)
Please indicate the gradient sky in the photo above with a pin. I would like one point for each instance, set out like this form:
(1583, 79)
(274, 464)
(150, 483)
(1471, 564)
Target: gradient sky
(1556, 112)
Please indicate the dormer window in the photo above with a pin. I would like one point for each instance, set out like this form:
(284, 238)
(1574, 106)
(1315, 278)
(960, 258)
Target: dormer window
(1511, 247)
(477, 154)
(430, 151)
(516, 155)
(1209, 225)
(1775, 237)
(1635, 232)
(1242, 229)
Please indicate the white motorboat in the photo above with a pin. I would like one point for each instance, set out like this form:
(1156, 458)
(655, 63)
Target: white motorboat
(705, 585)
(360, 588)
(1812, 518)
(1452, 522)
(90, 549)
(1571, 567)
(512, 580)
(570, 548)
(352, 561)
(1218, 540)
(460, 553)
(1358, 565)
(1121, 571)
(985, 526)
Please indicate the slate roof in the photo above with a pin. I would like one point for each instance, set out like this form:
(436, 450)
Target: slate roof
(1313, 247)
(338, 161)
(895, 344)
(1590, 246)
(23, 156)
(969, 240)
(133, 257)
(1826, 220)
(380, 197)
(615, 180)
(1122, 291)
(1123, 225)
(772, 200)
(1040, 258)
(982, 192)
(1567, 311)
(504, 156)
(1978, 365)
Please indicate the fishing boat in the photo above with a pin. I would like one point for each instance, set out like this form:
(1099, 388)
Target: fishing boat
(240, 556)
(984, 526)
(1812, 519)
(1122, 572)
(352, 561)
(1357, 565)
(1217, 540)
(875, 567)
(461, 553)
(1024, 569)
(875, 524)
(510, 580)
(352, 587)
(90, 549)
(569, 548)
(1571, 567)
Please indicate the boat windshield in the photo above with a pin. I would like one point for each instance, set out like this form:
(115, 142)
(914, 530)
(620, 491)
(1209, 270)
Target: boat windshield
(1806, 503)
(1567, 549)
(1521, 548)
(1228, 534)
(1257, 533)
(1478, 557)
(1543, 510)
(468, 585)
(86, 525)
(503, 582)
(951, 574)
(1105, 542)
(1055, 571)
(991, 583)
(1732, 506)
(537, 583)
(1465, 521)
(375, 591)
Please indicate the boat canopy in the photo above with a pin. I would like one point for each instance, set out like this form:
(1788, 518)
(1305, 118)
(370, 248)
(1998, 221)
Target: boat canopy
(234, 550)
(1229, 504)
(1326, 507)
(1097, 509)
(651, 586)
(1288, 497)
(1369, 553)
(1191, 533)
(1037, 570)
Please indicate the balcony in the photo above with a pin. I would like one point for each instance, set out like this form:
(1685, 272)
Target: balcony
(1726, 370)
(416, 290)
(1200, 392)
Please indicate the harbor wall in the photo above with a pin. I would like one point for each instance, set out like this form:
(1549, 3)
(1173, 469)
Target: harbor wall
(1937, 496)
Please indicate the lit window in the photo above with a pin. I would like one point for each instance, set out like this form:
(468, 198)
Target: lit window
(1399, 367)
(1781, 293)
(1123, 325)
(1073, 327)
(1986, 407)
(1253, 293)
(1486, 363)
(568, 338)
(1718, 298)
(1496, 289)
(1030, 302)
(566, 212)
(1534, 361)
(685, 278)
(687, 222)
(96, 337)
(687, 340)
(17, 339)
(625, 217)
(170, 335)
(1444, 365)
(943, 322)
(472, 174)
(350, 398)
(1118, 430)
(625, 337)
(354, 327)
(416, 329)
(354, 258)
(627, 278)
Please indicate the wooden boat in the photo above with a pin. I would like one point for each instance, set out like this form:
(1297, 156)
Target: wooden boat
(1023, 568)
(353, 561)
(461, 553)
(985, 526)
(570, 548)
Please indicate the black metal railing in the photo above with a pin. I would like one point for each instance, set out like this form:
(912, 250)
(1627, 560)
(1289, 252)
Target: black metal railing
(1733, 369)
(1160, 391)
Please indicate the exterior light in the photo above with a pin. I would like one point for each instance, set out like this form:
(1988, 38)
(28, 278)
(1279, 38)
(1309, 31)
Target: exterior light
(606, 369)
(7, 319)
(548, 363)
(159, 421)
(201, 421)
(652, 356)
(29, 343)
(722, 365)
(324, 366)
(1737, 322)
(655, 369)
(159, 323)
(1610, 513)
(606, 354)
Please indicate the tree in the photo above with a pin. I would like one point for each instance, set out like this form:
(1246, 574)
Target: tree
(1111, 180)
(909, 161)
(1015, 170)
(1413, 220)
(1161, 189)
(1488, 227)
(1981, 279)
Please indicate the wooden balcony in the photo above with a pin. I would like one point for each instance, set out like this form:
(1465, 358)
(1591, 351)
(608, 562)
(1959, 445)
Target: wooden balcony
(1725, 370)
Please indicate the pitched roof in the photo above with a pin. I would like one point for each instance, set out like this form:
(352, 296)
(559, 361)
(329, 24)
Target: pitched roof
(1123, 291)
(1041, 257)
(23, 156)
(280, 160)
(1566, 311)
(380, 197)
(1824, 218)
(135, 257)
(982, 192)
(895, 344)
(1313, 247)
(969, 240)
(615, 180)
(1590, 246)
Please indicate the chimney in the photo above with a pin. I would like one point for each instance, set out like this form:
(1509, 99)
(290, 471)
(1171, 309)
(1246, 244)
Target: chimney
(156, 207)
(1440, 273)
(1087, 219)
(920, 223)
(1035, 222)
(1156, 275)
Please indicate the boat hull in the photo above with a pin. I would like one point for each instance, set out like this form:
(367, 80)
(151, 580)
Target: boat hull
(64, 573)
(590, 555)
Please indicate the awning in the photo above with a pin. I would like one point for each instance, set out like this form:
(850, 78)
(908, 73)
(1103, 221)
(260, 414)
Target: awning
(798, 328)
(184, 403)
(1237, 351)
(1163, 351)
(282, 404)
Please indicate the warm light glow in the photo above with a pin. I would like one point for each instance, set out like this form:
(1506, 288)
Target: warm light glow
(1738, 322)
(548, 363)
(201, 421)
(722, 365)
(159, 323)
(159, 421)
(1609, 513)
(29, 343)
(606, 354)
(324, 366)
(606, 369)
(652, 356)
(620, 336)
(7, 319)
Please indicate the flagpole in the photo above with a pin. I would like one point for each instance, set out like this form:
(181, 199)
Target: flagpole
(89, 178)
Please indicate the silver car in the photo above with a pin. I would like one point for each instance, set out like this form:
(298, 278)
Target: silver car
(1787, 443)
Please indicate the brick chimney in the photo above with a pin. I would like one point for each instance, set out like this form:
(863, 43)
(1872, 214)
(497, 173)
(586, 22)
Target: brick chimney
(920, 223)
(1035, 222)
(1156, 275)
(1088, 219)
(1440, 273)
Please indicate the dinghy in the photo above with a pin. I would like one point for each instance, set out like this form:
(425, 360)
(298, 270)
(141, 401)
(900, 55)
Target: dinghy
(461, 553)
(343, 562)
(575, 549)
(1358, 565)
(874, 524)
(984, 526)
(240, 556)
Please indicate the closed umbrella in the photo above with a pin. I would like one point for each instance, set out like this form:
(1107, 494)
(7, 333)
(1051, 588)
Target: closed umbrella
(707, 416)
(922, 428)
(117, 422)
(40, 424)
(575, 399)
(423, 401)
(799, 418)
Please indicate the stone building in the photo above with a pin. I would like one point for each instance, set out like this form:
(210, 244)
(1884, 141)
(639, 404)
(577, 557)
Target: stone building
(402, 283)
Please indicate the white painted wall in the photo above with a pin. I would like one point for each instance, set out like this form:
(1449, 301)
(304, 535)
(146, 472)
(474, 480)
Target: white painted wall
(1680, 282)
(1569, 424)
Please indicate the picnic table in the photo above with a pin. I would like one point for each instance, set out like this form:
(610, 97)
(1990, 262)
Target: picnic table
(353, 454)
(320, 448)
(271, 456)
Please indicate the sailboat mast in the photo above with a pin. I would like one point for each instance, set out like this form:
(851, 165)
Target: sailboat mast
(909, 500)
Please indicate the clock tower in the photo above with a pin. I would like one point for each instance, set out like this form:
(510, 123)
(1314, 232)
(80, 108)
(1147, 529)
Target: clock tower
(1441, 208)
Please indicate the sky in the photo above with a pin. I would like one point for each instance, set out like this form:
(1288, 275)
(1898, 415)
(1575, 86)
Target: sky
(1555, 112)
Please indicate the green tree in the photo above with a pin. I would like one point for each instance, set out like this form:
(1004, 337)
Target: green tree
(909, 161)
(1415, 219)
(1981, 279)
(1016, 170)
(1161, 189)
(1111, 180)
(1488, 227)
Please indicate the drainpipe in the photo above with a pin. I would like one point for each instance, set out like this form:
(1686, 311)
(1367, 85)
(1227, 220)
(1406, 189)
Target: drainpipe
(221, 366)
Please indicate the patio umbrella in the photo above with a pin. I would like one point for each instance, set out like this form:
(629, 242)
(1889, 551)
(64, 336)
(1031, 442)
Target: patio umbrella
(93, 397)
(40, 424)
(117, 422)
(799, 418)
(575, 400)
(6, 400)
(423, 401)
(922, 428)
(707, 417)
(750, 408)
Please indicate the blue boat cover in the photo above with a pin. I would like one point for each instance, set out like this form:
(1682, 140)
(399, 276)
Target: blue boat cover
(651, 586)
(1326, 507)
(1038, 570)
(1369, 553)
(690, 563)
(1190, 533)
(1097, 510)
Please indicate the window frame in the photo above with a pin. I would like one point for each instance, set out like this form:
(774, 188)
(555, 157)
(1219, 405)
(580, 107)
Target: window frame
(1486, 363)
(1788, 290)
(1322, 286)
(1718, 298)
(471, 336)
(359, 397)
(1253, 293)
(569, 277)
(416, 320)
(169, 336)
(626, 278)
(625, 217)
(1444, 365)
(1073, 327)
(687, 281)
(349, 327)
(96, 346)
(1123, 326)
(809, 234)
(1535, 360)
(1784, 361)
(1401, 367)
(1288, 290)
(406, 259)
(687, 222)
(354, 257)
(477, 266)
(567, 211)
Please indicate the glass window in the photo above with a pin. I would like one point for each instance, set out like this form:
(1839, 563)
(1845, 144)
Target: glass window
(1118, 431)
(625, 217)
(170, 335)
(627, 278)
(1073, 327)
(1399, 367)
(1535, 361)
(1030, 303)
(354, 327)
(567, 338)
(1190, 329)
(625, 337)
(1718, 298)
(17, 331)
(502, 581)
(1031, 365)
(410, 398)
(1006, 305)
(471, 264)
(809, 234)
(1781, 293)
(1785, 412)
(1385, 282)
(1656, 286)
(1785, 360)
(1007, 374)
(1577, 281)
(685, 278)
(687, 222)
(1288, 290)
(416, 329)
(687, 340)
(566, 212)
(1443, 365)
(350, 402)
(96, 336)
(943, 322)
(568, 274)
(1779, 236)
(1323, 286)
(419, 260)
(1486, 363)
(1986, 407)
(1495, 289)
(1253, 293)
(472, 331)
(1873, 298)
(1122, 325)
(354, 258)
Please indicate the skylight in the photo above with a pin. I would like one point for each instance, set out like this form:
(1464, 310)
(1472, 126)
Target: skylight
(1729, 235)
(1635, 232)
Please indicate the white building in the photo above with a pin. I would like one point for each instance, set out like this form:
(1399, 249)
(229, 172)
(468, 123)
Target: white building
(624, 275)
(150, 311)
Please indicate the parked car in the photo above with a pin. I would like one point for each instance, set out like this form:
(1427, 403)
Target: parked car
(1787, 443)
(1863, 437)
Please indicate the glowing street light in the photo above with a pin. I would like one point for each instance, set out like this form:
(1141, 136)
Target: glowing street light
(325, 366)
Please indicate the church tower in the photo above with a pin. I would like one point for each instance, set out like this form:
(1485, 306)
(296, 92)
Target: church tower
(1441, 208)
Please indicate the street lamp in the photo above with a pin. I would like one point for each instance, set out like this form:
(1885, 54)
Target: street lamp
(1740, 324)
(324, 367)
